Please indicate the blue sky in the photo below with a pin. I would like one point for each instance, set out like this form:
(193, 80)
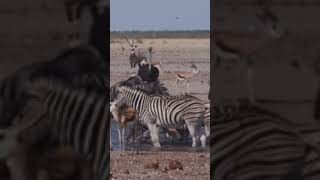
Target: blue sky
(160, 14)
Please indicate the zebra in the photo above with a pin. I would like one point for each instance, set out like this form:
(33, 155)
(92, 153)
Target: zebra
(167, 111)
(77, 117)
(155, 87)
(79, 66)
(249, 142)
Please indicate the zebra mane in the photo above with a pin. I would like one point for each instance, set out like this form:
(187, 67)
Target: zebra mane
(137, 88)
(151, 88)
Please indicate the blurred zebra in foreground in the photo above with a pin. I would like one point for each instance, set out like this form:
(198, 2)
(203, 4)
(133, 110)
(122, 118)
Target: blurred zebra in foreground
(77, 117)
(167, 111)
(249, 142)
(82, 66)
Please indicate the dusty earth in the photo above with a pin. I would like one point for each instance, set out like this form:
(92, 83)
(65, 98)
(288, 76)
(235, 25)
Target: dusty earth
(174, 55)
(195, 166)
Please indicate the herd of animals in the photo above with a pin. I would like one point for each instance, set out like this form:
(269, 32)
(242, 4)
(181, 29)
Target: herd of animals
(142, 100)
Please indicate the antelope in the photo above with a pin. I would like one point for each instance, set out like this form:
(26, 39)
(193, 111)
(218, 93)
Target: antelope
(134, 57)
(147, 73)
(122, 115)
(242, 45)
(185, 76)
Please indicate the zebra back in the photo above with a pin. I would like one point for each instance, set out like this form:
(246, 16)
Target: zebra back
(163, 107)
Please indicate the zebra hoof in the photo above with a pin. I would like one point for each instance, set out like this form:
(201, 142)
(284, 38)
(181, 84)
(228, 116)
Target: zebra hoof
(157, 145)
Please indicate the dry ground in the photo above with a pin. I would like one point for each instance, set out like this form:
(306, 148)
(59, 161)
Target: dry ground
(196, 166)
(174, 54)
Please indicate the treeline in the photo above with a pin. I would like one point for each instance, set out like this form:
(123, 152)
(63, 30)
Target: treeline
(160, 34)
(272, 3)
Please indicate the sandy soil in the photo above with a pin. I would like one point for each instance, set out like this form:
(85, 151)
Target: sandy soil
(195, 166)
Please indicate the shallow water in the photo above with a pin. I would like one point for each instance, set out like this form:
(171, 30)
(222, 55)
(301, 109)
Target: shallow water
(166, 145)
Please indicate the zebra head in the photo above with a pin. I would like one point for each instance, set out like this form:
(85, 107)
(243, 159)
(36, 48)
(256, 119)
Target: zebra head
(120, 98)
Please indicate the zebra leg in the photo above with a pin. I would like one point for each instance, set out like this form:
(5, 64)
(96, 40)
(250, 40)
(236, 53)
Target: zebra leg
(207, 122)
(134, 137)
(110, 144)
(192, 131)
(120, 138)
(203, 141)
(154, 132)
(123, 139)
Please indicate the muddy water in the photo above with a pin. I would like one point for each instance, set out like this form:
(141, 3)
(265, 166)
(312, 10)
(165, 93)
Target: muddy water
(184, 145)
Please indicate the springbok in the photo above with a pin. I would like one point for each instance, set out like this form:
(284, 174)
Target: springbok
(242, 45)
(185, 76)
(122, 115)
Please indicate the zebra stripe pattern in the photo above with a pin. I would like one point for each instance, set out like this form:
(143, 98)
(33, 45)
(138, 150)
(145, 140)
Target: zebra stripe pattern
(81, 118)
(253, 143)
(167, 111)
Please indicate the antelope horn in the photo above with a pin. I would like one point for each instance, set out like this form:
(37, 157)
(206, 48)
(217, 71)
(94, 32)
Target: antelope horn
(127, 39)
(129, 42)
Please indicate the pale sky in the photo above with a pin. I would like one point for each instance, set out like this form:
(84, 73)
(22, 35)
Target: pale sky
(160, 15)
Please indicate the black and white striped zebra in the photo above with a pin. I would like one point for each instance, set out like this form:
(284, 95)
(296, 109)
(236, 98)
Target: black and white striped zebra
(166, 111)
(250, 143)
(78, 117)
